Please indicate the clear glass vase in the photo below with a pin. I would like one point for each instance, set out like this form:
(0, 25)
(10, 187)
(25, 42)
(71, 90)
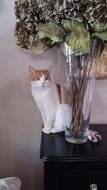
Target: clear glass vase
(77, 74)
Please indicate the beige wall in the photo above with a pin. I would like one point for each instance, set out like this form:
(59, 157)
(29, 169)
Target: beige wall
(20, 120)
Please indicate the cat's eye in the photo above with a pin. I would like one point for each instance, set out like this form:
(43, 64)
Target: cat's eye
(37, 78)
(46, 78)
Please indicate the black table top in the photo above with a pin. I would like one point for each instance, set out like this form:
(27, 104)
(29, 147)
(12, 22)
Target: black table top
(54, 147)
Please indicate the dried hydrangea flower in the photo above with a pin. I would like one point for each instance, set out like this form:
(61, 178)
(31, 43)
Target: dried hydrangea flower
(32, 14)
(22, 35)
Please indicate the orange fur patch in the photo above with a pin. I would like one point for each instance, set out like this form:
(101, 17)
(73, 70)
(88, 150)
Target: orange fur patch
(59, 92)
(39, 73)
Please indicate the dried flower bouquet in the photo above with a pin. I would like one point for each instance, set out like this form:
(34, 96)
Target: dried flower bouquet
(73, 26)
(42, 24)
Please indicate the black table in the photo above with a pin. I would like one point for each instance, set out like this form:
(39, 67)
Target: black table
(74, 167)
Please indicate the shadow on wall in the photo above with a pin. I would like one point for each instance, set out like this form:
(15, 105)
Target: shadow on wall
(30, 180)
(20, 131)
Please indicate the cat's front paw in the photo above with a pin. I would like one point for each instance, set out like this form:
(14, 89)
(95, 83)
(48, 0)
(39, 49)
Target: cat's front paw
(46, 130)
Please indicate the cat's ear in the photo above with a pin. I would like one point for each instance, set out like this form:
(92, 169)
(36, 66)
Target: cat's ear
(49, 69)
(31, 69)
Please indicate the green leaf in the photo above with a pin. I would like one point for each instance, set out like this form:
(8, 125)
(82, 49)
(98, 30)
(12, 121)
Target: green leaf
(51, 30)
(102, 35)
(78, 44)
(98, 26)
(78, 38)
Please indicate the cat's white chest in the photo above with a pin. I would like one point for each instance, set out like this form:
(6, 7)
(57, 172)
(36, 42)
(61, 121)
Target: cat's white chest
(45, 97)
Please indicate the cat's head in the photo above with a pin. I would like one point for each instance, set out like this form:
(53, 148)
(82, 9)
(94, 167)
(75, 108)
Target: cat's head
(40, 78)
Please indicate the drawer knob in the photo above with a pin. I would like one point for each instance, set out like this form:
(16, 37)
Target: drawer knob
(93, 187)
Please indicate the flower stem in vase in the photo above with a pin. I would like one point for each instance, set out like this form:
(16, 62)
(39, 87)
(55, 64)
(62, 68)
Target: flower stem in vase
(82, 77)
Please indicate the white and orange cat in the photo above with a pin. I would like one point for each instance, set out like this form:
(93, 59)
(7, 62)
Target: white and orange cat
(47, 96)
